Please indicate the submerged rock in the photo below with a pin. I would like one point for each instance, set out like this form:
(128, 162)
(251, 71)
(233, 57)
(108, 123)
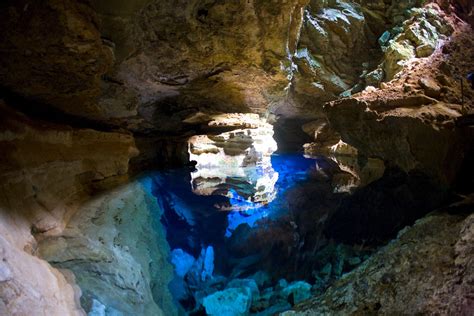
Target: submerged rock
(203, 267)
(297, 292)
(245, 283)
(182, 261)
(97, 309)
(229, 302)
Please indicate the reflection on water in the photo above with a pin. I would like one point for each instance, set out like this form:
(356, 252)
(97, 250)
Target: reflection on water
(223, 211)
(244, 219)
(236, 164)
(291, 168)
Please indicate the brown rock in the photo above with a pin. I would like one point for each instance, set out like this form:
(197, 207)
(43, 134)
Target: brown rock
(46, 171)
(53, 53)
(422, 141)
(53, 167)
(430, 86)
(426, 270)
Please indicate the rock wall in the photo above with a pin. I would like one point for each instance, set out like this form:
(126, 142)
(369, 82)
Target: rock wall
(116, 247)
(54, 167)
(53, 53)
(46, 171)
(29, 285)
(423, 104)
(426, 270)
(149, 64)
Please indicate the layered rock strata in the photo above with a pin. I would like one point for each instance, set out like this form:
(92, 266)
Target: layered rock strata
(116, 247)
(236, 164)
(46, 172)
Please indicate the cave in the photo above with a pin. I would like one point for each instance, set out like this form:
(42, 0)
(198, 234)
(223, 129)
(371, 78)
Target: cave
(232, 158)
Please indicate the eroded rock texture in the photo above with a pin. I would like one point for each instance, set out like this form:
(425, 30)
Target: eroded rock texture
(52, 52)
(150, 64)
(116, 247)
(423, 105)
(54, 167)
(29, 284)
(104, 82)
(426, 270)
(46, 171)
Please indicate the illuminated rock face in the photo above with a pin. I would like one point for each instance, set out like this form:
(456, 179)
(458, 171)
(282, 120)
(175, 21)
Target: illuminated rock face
(236, 163)
(117, 250)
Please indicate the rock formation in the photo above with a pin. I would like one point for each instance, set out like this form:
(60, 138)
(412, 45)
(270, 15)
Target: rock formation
(237, 163)
(423, 105)
(116, 247)
(94, 92)
(425, 270)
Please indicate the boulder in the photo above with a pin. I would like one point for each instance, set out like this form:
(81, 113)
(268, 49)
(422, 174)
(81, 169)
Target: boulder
(182, 261)
(245, 283)
(430, 86)
(229, 302)
(296, 292)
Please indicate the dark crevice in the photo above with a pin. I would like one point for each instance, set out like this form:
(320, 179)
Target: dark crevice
(40, 111)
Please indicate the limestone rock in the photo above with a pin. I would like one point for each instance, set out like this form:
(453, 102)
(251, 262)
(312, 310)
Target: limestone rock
(53, 167)
(425, 270)
(29, 285)
(427, 138)
(245, 283)
(182, 261)
(236, 163)
(435, 146)
(329, 31)
(53, 53)
(116, 247)
(431, 88)
(418, 36)
(424, 50)
(232, 301)
(396, 55)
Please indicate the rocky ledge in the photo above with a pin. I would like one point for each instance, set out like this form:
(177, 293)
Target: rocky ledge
(423, 104)
(427, 269)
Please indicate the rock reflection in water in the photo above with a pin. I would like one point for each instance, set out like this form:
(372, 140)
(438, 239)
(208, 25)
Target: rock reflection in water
(237, 163)
(262, 241)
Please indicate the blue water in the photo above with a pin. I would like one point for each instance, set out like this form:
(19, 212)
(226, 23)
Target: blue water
(193, 221)
(284, 238)
(292, 169)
